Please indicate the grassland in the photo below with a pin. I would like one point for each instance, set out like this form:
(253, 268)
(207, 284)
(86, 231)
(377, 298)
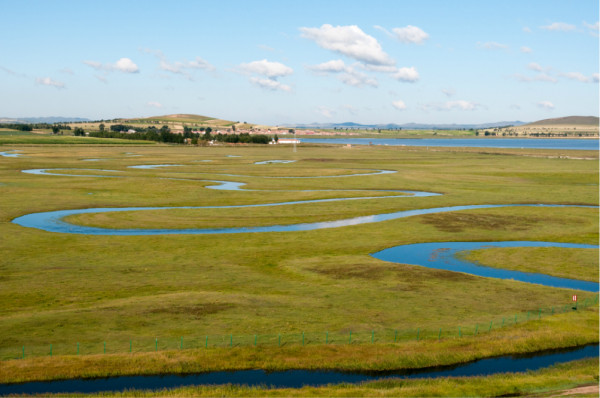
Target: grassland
(556, 380)
(63, 288)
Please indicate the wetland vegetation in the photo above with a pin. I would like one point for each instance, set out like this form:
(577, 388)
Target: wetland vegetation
(64, 289)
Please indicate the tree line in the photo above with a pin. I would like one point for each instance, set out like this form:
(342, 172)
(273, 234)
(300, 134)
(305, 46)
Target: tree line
(38, 126)
(165, 135)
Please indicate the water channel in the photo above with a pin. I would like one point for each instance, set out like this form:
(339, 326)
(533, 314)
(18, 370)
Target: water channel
(441, 255)
(301, 378)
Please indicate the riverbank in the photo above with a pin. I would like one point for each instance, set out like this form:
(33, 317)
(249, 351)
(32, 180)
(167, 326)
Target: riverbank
(579, 377)
(553, 332)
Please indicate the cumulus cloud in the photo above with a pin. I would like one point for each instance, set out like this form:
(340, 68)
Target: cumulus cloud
(559, 27)
(526, 50)
(350, 41)
(154, 104)
(267, 68)
(269, 72)
(182, 68)
(410, 34)
(400, 105)
(46, 81)
(124, 65)
(406, 75)
(347, 74)
(333, 66)
(491, 45)
(269, 84)
(546, 105)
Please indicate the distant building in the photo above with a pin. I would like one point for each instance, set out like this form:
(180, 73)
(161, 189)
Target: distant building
(288, 141)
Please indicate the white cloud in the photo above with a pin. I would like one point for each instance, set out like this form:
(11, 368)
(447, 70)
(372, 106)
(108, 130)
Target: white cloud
(546, 105)
(266, 48)
(595, 26)
(462, 105)
(180, 67)
(577, 76)
(324, 111)
(559, 27)
(124, 65)
(410, 34)
(541, 77)
(271, 72)
(355, 78)
(46, 81)
(347, 74)
(101, 78)
(526, 29)
(351, 109)
(595, 77)
(267, 68)
(526, 50)
(406, 75)
(449, 92)
(400, 105)
(350, 41)
(67, 71)
(270, 84)
(154, 104)
(333, 66)
(535, 66)
(491, 45)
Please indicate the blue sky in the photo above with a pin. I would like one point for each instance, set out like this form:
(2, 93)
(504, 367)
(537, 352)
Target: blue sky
(285, 62)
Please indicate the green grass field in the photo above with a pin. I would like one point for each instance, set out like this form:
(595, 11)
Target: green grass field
(64, 289)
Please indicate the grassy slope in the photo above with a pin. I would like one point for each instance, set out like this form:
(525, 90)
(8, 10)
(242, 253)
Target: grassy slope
(92, 289)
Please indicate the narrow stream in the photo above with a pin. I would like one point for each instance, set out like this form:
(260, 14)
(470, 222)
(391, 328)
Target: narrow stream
(301, 378)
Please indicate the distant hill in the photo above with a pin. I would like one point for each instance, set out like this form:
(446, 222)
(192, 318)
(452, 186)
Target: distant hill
(408, 126)
(179, 120)
(184, 118)
(49, 119)
(568, 120)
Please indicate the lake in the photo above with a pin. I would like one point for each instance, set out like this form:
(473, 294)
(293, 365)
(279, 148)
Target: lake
(526, 143)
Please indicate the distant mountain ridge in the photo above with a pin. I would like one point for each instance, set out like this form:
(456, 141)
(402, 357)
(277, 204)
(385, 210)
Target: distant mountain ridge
(408, 126)
(49, 119)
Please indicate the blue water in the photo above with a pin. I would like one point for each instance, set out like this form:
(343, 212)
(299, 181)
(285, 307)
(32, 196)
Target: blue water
(442, 255)
(301, 378)
(529, 143)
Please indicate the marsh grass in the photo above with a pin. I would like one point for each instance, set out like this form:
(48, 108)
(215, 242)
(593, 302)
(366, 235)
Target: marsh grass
(63, 288)
(546, 382)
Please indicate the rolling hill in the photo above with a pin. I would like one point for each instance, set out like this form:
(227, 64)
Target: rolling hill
(567, 121)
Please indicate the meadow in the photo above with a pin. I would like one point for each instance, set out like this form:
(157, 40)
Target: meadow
(64, 289)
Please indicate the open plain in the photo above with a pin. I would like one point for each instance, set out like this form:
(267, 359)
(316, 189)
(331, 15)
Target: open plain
(72, 297)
